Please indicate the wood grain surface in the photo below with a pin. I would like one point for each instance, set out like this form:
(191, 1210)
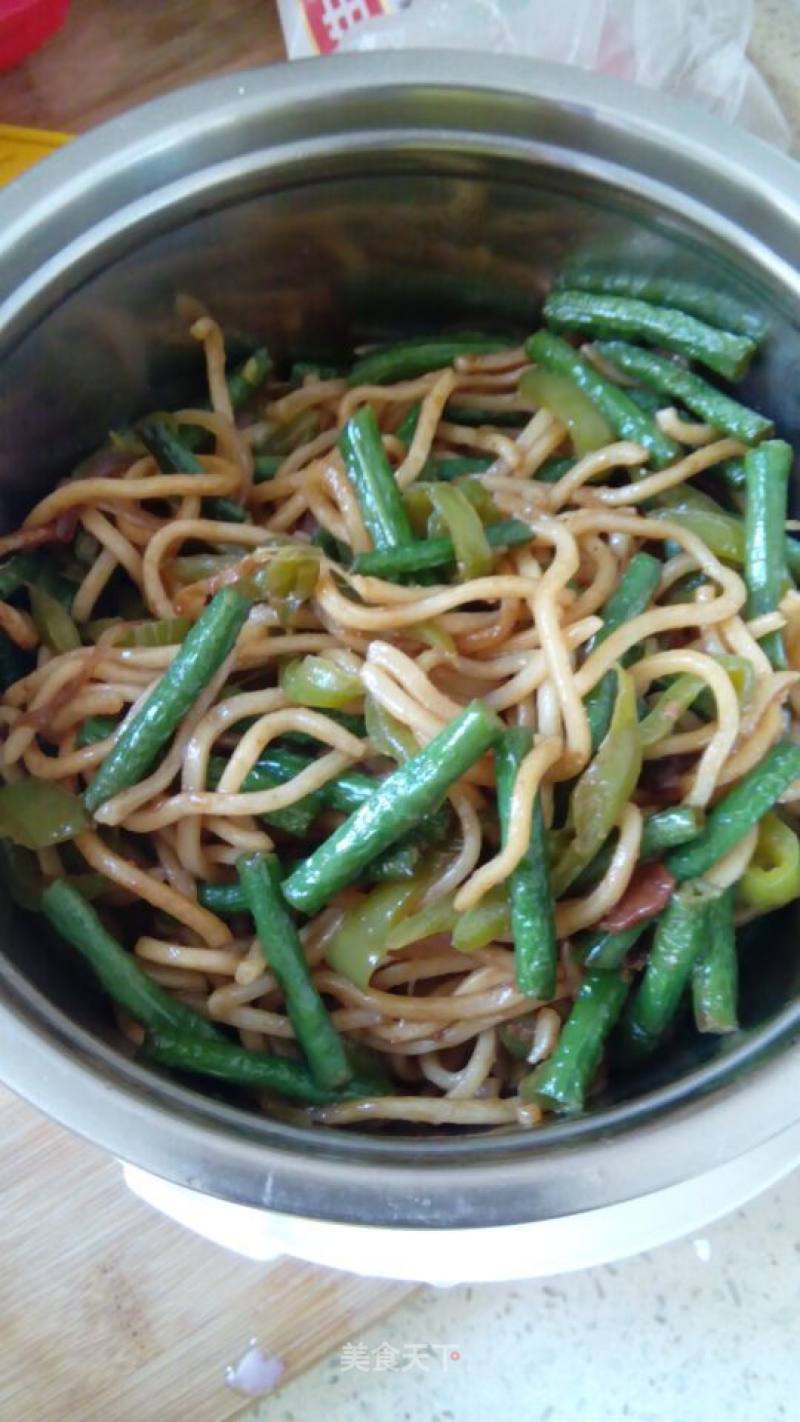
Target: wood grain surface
(112, 54)
(111, 1313)
(107, 1310)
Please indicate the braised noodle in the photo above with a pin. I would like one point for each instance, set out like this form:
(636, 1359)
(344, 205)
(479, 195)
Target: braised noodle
(519, 637)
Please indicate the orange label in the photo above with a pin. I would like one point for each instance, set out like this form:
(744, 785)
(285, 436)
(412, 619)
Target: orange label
(329, 20)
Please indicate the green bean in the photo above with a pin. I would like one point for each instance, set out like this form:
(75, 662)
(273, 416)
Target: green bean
(275, 1075)
(321, 370)
(715, 307)
(529, 893)
(606, 948)
(266, 466)
(397, 862)
(716, 972)
(680, 937)
(17, 570)
(697, 395)
(668, 828)
(117, 970)
(407, 427)
(733, 816)
(391, 563)
(627, 317)
(554, 469)
(173, 456)
(408, 359)
(293, 819)
(560, 1083)
(474, 416)
(94, 729)
(210, 641)
(767, 473)
(413, 790)
(249, 377)
(624, 417)
(259, 876)
(630, 598)
(444, 468)
(379, 498)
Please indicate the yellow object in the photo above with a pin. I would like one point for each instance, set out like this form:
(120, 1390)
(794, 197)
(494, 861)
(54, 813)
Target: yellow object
(20, 148)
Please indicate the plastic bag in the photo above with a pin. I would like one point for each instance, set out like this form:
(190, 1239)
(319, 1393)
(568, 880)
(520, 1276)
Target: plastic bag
(320, 26)
(696, 49)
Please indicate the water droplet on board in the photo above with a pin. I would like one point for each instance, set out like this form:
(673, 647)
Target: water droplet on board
(256, 1372)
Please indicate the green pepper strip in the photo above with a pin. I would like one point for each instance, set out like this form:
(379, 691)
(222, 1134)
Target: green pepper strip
(318, 681)
(259, 876)
(39, 813)
(560, 1083)
(600, 315)
(473, 553)
(772, 878)
(379, 498)
(116, 969)
(532, 911)
(767, 472)
(604, 788)
(360, 943)
(413, 790)
(716, 972)
(200, 657)
(588, 428)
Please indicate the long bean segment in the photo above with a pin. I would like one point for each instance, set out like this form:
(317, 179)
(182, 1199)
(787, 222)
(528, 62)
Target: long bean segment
(529, 893)
(259, 1070)
(174, 456)
(380, 500)
(413, 790)
(630, 598)
(118, 971)
(767, 488)
(623, 415)
(260, 879)
(416, 557)
(680, 938)
(675, 381)
(716, 971)
(408, 359)
(718, 308)
(137, 746)
(738, 811)
(601, 315)
(560, 1084)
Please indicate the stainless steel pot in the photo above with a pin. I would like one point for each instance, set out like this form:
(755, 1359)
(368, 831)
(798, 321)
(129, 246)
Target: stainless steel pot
(343, 199)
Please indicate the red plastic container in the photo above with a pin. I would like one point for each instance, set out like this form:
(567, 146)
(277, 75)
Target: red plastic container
(25, 25)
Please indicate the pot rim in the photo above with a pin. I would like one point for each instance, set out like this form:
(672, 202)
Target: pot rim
(703, 1119)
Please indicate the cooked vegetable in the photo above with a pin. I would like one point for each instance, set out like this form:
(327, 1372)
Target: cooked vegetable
(615, 405)
(38, 813)
(710, 304)
(414, 790)
(630, 598)
(426, 553)
(174, 456)
(360, 943)
(675, 381)
(772, 878)
(767, 474)
(408, 359)
(588, 428)
(259, 876)
(210, 641)
(381, 503)
(529, 894)
(681, 936)
(560, 1084)
(601, 315)
(715, 975)
(467, 534)
(118, 971)
(53, 623)
(263, 1072)
(318, 681)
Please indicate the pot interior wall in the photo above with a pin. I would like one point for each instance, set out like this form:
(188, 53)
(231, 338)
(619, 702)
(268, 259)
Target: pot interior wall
(314, 268)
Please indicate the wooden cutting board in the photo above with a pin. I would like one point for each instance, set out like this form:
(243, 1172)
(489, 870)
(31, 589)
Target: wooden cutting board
(110, 1311)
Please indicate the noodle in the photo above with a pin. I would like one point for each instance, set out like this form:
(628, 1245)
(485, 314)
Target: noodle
(338, 675)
